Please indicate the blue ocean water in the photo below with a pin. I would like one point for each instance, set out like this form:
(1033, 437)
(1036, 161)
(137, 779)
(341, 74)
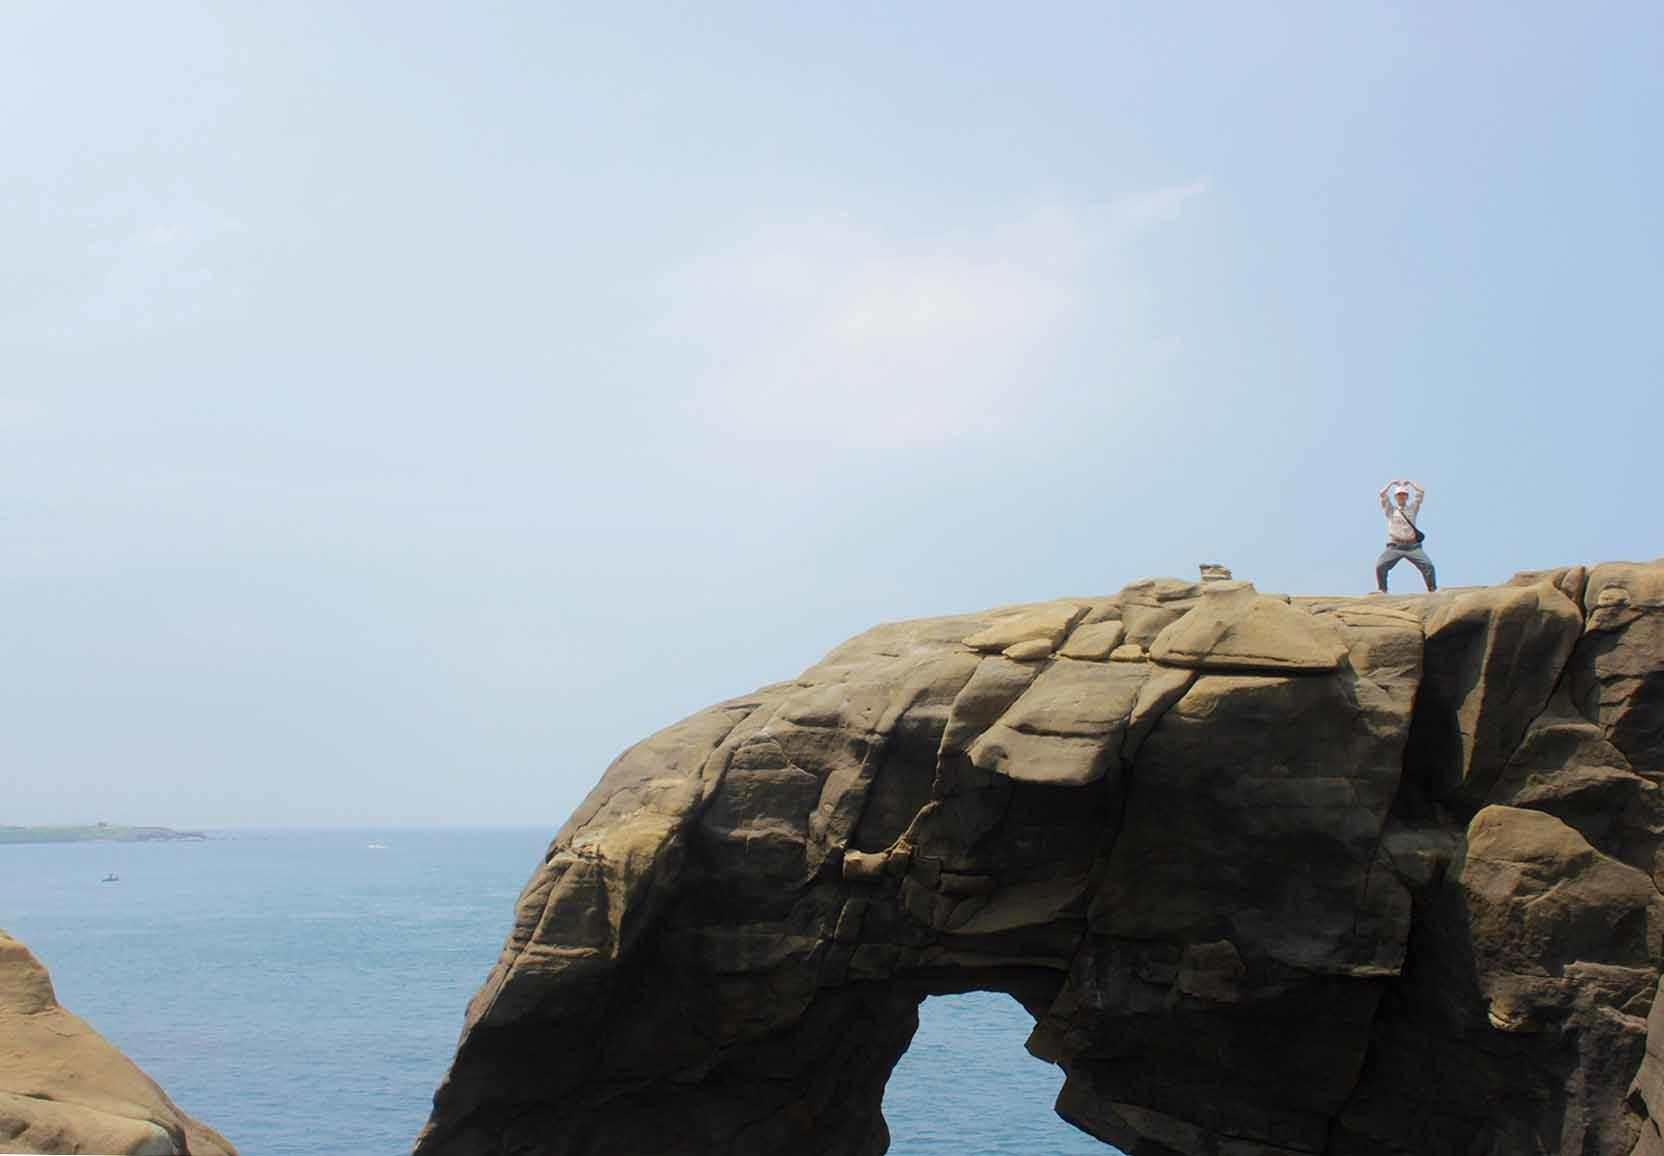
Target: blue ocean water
(301, 991)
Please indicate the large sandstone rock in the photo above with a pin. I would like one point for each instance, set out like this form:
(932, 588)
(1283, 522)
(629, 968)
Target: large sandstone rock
(64, 1089)
(1321, 875)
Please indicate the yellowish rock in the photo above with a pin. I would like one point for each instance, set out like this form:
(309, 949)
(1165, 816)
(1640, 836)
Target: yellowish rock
(1066, 728)
(1049, 622)
(1210, 861)
(1499, 651)
(1031, 650)
(1127, 652)
(993, 687)
(1241, 630)
(64, 1088)
(1094, 642)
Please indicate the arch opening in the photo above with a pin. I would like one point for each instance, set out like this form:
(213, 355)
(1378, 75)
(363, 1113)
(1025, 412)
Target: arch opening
(966, 1084)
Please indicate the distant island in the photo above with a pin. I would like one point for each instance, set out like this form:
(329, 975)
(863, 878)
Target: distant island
(96, 833)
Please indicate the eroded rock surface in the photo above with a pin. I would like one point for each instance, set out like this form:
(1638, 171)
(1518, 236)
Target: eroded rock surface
(1347, 876)
(63, 1088)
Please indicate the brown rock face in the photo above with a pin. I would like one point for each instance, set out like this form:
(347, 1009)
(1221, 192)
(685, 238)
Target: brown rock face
(1340, 876)
(64, 1089)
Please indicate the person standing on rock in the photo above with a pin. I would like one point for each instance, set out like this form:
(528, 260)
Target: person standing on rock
(1403, 539)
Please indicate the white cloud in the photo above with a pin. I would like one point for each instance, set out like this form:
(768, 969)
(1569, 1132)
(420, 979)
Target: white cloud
(840, 334)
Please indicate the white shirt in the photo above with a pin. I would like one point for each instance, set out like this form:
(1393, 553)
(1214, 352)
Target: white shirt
(1399, 529)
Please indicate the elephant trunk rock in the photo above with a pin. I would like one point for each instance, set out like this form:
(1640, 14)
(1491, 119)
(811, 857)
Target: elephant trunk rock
(1313, 875)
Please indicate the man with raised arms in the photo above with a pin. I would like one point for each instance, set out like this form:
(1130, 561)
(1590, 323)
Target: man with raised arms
(1403, 539)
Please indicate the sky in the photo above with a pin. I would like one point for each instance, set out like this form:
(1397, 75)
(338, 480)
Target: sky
(404, 408)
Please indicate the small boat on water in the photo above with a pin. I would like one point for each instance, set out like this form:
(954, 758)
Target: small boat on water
(111, 877)
(378, 846)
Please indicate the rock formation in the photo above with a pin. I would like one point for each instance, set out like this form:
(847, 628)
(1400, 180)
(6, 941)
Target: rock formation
(63, 1088)
(1274, 876)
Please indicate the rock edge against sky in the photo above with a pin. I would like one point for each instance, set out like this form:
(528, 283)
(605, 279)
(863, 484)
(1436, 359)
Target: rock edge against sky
(64, 1088)
(1274, 876)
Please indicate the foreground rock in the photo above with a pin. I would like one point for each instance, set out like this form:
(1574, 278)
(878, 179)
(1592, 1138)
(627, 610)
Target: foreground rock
(1345, 876)
(63, 1088)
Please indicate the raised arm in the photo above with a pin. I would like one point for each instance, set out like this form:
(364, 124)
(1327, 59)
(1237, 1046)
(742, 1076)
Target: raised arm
(1416, 494)
(1386, 502)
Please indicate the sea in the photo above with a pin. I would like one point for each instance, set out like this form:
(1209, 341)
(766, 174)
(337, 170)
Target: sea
(301, 991)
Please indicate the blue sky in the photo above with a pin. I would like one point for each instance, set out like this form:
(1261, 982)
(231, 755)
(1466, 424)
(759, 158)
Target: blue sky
(405, 407)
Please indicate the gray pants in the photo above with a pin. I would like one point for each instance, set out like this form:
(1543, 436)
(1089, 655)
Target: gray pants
(1394, 554)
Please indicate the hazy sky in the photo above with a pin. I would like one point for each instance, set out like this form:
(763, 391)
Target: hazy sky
(405, 407)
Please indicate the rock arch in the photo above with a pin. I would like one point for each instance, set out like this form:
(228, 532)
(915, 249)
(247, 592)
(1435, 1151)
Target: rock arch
(1275, 876)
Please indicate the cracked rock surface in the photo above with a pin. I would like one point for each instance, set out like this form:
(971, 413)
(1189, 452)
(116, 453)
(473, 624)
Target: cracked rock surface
(1274, 876)
(63, 1088)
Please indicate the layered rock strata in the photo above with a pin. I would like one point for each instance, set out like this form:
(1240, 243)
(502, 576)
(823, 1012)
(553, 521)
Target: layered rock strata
(1274, 876)
(63, 1088)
